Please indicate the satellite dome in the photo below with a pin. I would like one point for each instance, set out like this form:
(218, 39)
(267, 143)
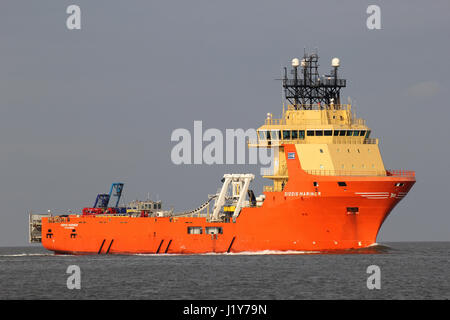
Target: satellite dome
(335, 62)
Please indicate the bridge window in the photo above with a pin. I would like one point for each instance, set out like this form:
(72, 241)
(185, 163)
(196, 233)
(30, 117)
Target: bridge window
(327, 133)
(367, 134)
(310, 133)
(275, 134)
(335, 133)
(355, 133)
(286, 134)
(341, 133)
(301, 134)
(349, 133)
(362, 133)
(294, 134)
(319, 133)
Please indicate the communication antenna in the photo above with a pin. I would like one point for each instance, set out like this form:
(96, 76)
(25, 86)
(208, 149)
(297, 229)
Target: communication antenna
(307, 88)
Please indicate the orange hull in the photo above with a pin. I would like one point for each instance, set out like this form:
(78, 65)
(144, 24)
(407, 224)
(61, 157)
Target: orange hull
(302, 217)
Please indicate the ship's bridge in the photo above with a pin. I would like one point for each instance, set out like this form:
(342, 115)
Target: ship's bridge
(329, 140)
(320, 124)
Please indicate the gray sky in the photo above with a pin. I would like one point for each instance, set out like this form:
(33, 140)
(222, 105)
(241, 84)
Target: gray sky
(82, 109)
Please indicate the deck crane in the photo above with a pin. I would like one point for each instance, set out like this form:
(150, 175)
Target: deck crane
(103, 200)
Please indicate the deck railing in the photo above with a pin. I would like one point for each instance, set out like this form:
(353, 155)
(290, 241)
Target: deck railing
(401, 173)
(322, 119)
(380, 173)
(317, 106)
(315, 122)
(335, 140)
(275, 122)
(346, 172)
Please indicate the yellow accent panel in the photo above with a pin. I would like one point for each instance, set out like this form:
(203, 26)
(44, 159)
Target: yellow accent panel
(348, 157)
(312, 159)
(357, 157)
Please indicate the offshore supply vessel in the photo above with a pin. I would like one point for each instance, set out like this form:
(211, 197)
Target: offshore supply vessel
(330, 190)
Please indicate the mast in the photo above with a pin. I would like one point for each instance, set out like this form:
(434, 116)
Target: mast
(312, 88)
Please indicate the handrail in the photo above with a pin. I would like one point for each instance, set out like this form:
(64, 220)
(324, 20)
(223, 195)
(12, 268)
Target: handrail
(394, 173)
(268, 171)
(346, 172)
(400, 173)
(275, 122)
(322, 81)
(335, 140)
(317, 106)
(321, 121)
